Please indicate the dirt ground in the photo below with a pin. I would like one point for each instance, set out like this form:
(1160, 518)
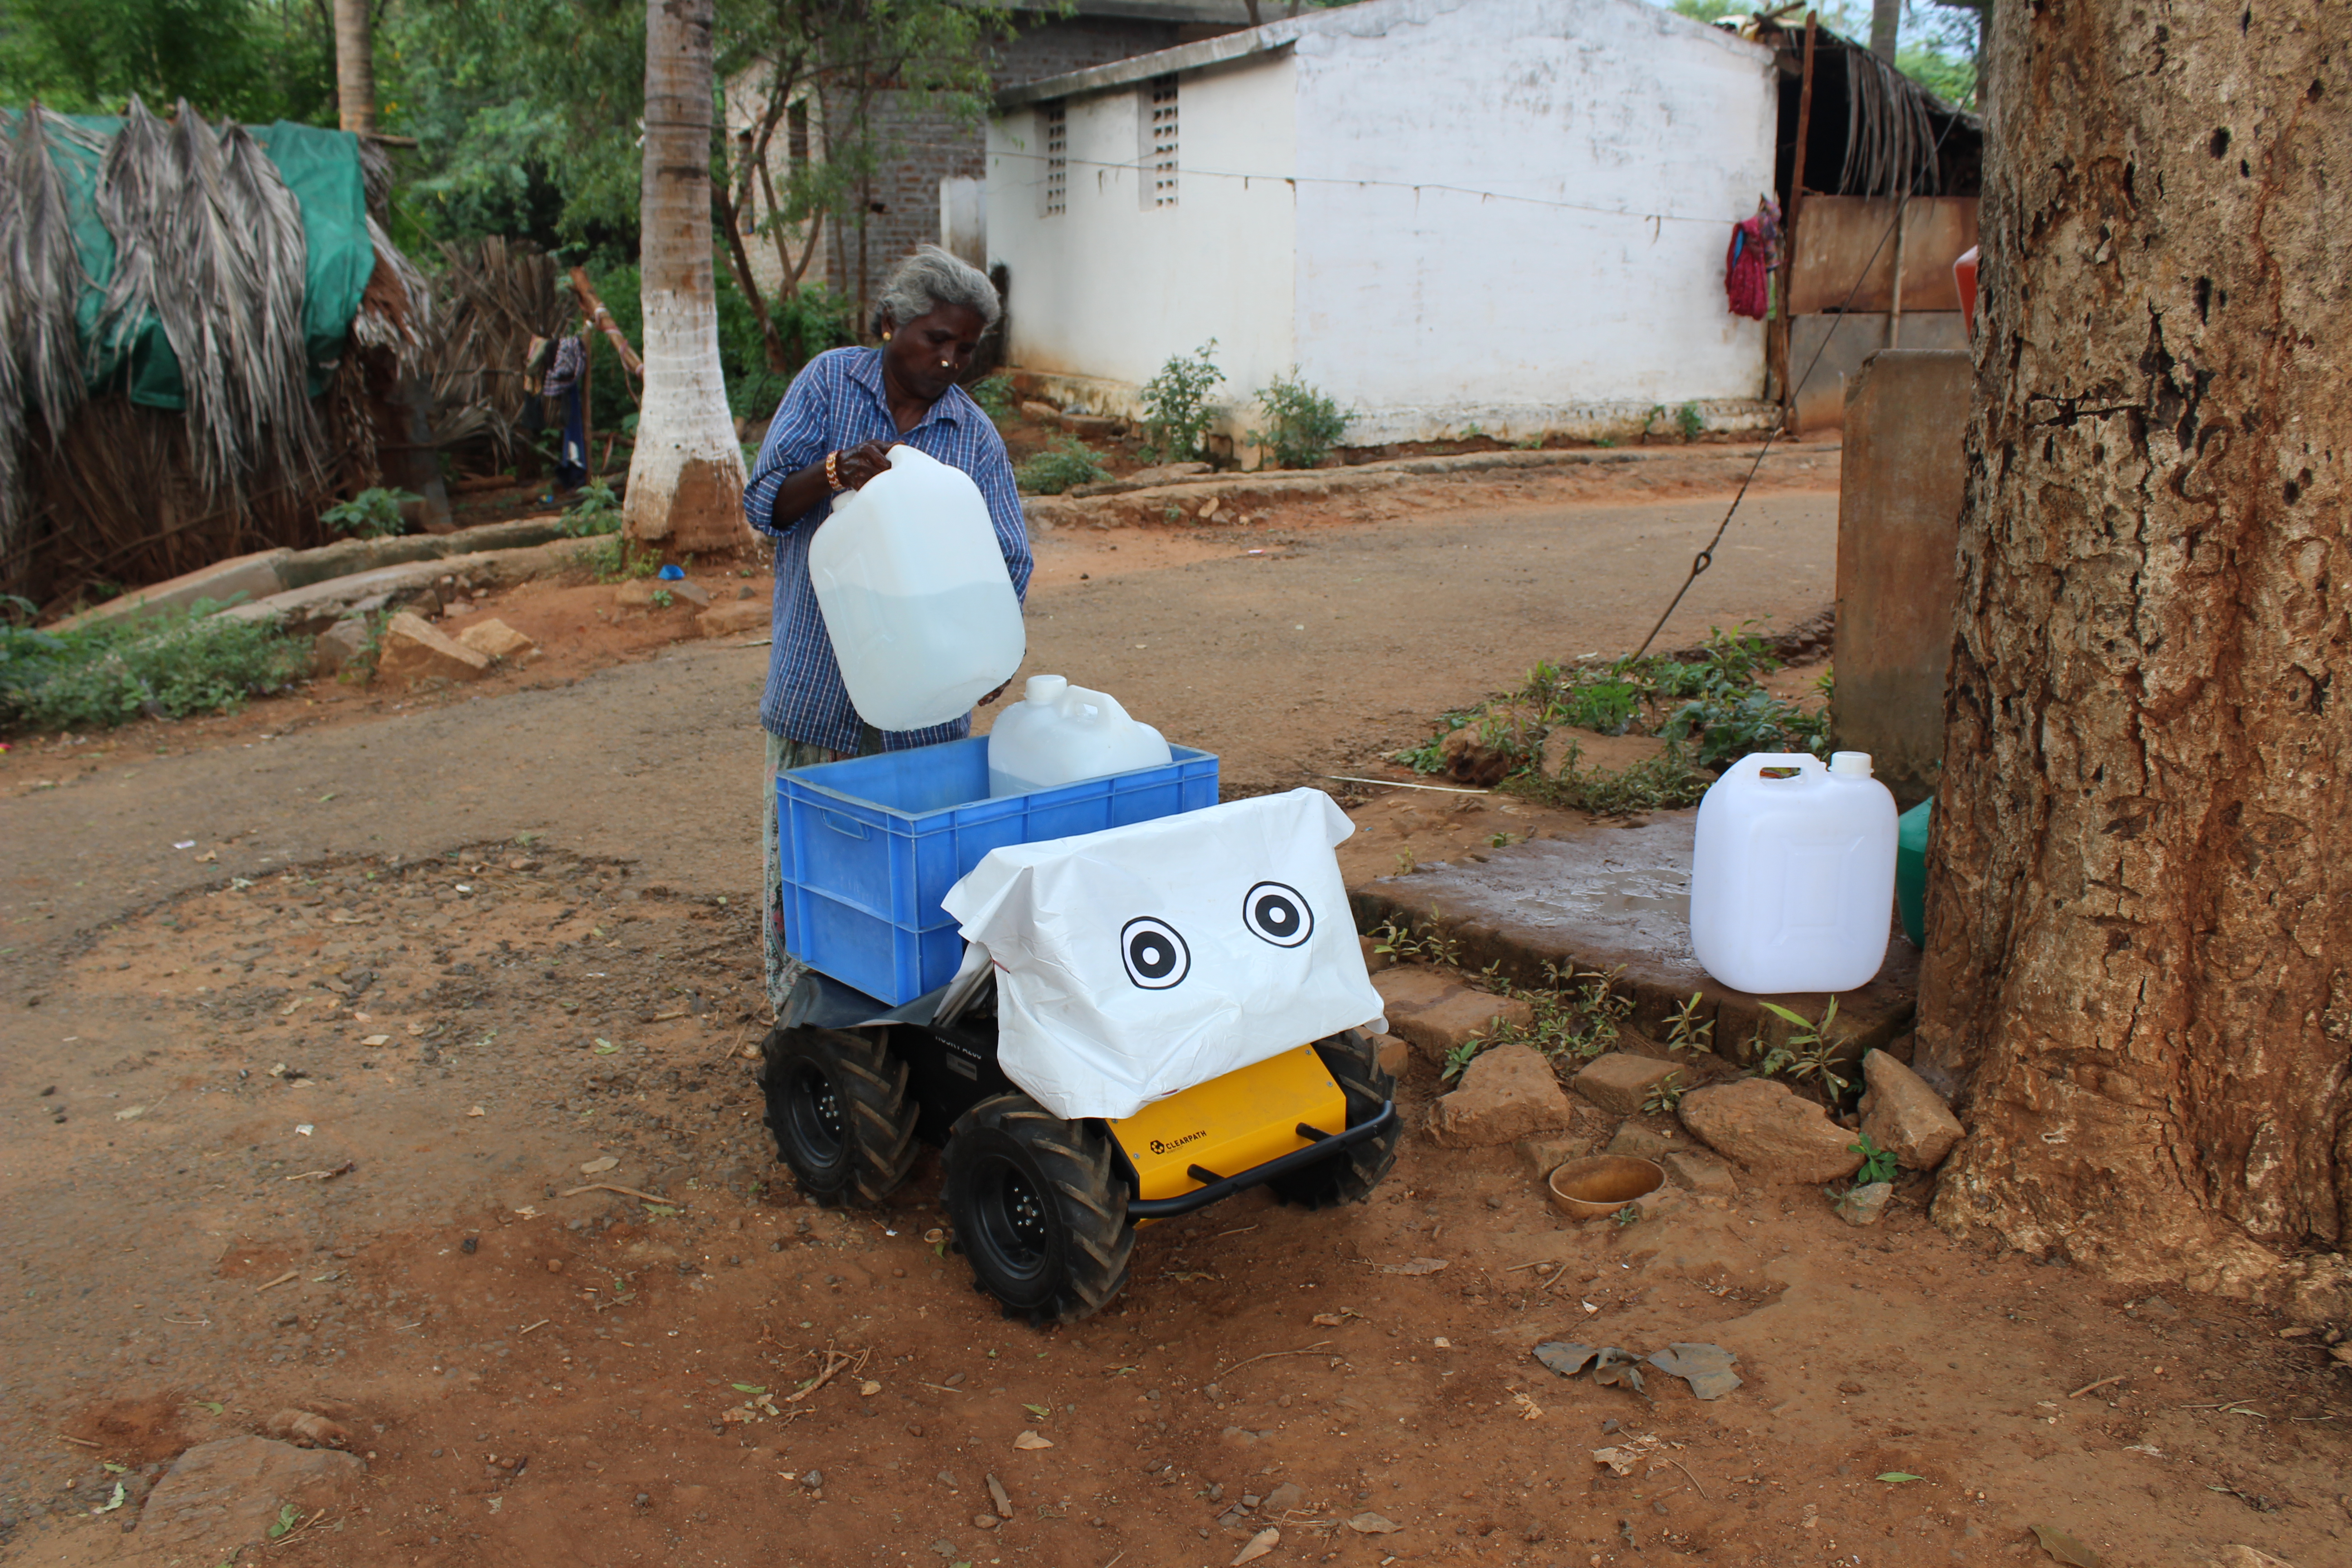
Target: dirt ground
(294, 1117)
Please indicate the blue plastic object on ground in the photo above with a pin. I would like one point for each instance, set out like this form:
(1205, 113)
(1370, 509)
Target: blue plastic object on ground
(672, 573)
(869, 847)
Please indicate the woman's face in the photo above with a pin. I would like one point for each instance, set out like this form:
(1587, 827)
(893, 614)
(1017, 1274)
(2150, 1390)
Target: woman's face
(931, 352)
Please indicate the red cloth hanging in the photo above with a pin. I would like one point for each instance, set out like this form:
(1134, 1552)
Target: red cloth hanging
(1747, 266)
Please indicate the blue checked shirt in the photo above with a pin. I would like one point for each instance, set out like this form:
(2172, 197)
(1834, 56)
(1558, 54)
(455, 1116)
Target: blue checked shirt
(836, 403)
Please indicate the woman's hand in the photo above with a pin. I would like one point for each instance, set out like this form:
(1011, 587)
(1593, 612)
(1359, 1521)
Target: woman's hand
(859, 464)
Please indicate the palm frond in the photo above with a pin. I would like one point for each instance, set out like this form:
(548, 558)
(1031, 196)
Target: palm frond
(273, 267)
(127, 205)
(44, 274)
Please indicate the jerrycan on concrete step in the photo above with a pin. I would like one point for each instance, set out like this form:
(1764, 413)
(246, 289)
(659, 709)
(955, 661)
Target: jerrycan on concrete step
(1059, 734)
(1792, 874)
(915, 595)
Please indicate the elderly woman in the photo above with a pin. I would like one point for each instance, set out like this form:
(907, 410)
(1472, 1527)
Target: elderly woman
(831, 433)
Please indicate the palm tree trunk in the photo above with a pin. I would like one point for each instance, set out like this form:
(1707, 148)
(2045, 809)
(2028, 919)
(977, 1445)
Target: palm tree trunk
(2138, 972)
(685, 475)
(354, 65)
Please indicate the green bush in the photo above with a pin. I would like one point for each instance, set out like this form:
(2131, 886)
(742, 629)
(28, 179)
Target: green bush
(1069, 463)
(1302, 424)
(371, 514)
(1176, 406)
(598, 510)
(168, 665)
(994, 396)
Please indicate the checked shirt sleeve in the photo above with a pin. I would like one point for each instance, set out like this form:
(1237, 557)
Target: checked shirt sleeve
(796, 437)
(993, 471)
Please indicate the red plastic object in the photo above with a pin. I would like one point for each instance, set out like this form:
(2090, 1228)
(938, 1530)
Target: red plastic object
(1964, 273)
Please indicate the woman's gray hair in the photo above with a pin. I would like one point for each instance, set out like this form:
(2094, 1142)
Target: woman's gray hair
(930, 279)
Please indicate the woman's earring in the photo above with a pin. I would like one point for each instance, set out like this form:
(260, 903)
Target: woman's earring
(886, 337)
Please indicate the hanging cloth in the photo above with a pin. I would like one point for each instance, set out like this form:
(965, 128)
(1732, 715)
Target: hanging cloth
(1747, 266)
(563, 385)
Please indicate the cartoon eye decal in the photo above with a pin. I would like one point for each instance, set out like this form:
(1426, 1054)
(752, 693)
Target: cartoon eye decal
(1276, 913)
(1155, 956)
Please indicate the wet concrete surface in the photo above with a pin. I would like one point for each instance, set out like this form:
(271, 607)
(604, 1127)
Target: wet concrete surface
(1602, 895)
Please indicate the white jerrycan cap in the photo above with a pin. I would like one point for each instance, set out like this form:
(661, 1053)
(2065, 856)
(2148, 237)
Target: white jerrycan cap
(1044, 689)
(1850, 764)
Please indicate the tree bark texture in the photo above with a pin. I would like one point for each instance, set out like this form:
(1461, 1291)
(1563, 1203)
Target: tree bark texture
(354, 65)
(2139, 965)
(686, 473)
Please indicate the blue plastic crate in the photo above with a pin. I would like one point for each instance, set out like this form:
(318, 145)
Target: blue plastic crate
(869, 847)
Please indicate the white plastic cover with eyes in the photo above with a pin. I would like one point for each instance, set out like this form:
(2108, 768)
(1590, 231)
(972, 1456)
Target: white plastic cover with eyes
(1136, 963)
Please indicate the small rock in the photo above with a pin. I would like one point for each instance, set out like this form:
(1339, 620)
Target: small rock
(1166, 471)
(1542, 1156)
(1042, 413)
(338, 645)
(1393, 1054)
(689, 592)
(1437, 1014)
(1264, 1541)
(2241, 1556)
(1505, 1095)
(1620, 1081)
(1001, 1499)
(638, 592)
(1864, 1205)
(412, 651)
(1472, 759)
(1030, 1441)
(309, 1430)
(497, 639)
(1905, 1116)
(1373, 1524)
(1699, 1172)
(1283, 1498)
(1761, 1126)
(812, 1478)
(1640, 1141)
(984, 1521)
(229, 1491)
(737, 616)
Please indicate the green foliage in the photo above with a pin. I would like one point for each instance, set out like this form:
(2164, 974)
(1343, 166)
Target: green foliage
(994, 396)
(168, 665)
(1302, 424)
(1459, 1057)
(1409, 944)
(1690, 421)
(1176, 406)
(1629, 1214)
(374, 513)
(1877, 1164)
(1577, 1015)
(1685, 1031)
(256, 60)
(614, 559)
(1723, 730)
(1067, 463)
(1809, 1056)
(1664, 1096)
(1661, 783)
(360, 668)
(598, 510)
(283, 1525)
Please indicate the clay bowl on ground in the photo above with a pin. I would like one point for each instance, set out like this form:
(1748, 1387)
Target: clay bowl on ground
(1587, 1189)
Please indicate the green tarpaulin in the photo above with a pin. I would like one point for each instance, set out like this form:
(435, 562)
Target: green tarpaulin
(323, 169)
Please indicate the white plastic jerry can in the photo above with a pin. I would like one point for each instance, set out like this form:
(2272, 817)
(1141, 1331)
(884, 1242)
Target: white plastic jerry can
(1792, 874)
(1059, 734)
(916, 596)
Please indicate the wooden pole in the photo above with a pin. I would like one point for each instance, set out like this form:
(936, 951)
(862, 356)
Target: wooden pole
(598, 316)
(1796, 200)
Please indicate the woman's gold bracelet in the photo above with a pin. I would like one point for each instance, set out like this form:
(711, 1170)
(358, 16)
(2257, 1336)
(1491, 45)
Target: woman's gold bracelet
(833, 471)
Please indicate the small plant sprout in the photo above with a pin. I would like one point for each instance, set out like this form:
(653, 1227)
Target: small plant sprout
(1629, 1214)
(1690, 421)
(1461, 1057)
(1665, 1095)
(1809, 1055)
(1877, 1164)
(1406, 945)
(1404, 861)
(373, 513)
(1686, 1031)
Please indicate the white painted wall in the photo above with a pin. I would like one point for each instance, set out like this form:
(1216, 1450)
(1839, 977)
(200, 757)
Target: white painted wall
(1438, 260)
(1109, 289)
(1431, 307)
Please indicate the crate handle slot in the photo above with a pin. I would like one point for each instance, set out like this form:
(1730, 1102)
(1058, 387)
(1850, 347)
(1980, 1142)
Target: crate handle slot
(846, 827)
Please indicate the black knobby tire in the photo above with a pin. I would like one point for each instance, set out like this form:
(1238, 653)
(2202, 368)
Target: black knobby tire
(1350, 1176)
(1040, 1209)
(837, 1104)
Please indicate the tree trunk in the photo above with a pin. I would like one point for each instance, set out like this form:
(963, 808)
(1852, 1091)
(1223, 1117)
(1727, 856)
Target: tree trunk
(1885, 21)
(2139, 965)
(686, 473)
(354, 65)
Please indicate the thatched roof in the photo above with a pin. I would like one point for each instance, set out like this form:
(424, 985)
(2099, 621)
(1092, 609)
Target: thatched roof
(219, 273)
